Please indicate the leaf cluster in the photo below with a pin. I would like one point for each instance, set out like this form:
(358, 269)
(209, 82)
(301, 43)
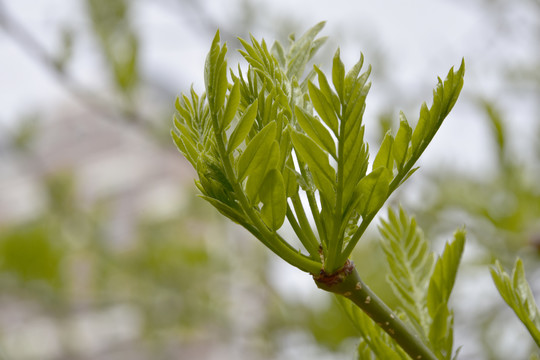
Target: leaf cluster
(334, 159)
(272, 136)
(271, 145)
(238, 137)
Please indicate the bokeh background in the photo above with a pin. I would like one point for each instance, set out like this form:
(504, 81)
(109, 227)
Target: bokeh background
(107, 253)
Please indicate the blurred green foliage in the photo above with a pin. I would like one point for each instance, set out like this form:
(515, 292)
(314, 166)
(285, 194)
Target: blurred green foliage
(177, 281)
(111, 22)
(28, 253)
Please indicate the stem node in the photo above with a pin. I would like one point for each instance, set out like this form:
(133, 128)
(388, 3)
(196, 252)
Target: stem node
(346, 282)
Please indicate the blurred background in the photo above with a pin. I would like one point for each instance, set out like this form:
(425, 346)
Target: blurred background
(107, 253)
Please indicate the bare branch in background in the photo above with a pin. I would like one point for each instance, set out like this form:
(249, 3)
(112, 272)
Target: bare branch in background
(83, 95)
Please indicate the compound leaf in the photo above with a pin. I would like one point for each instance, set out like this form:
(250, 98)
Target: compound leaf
(408, 256)
(302, 50)
(444, 99)
(517, 294)
(354, 154)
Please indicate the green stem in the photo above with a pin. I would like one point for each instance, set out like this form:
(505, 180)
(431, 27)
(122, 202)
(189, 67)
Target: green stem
(316, 215)
(294, 256)
(359, 232)
(347, 282)
(335, 247)
(304, 222)
(313, 250)
(313, 207)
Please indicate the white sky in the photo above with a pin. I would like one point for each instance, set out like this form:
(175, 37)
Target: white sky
(411, 42)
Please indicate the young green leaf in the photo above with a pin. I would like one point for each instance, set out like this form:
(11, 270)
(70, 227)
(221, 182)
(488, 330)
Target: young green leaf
(213, 181)
(257, 151)
(215, 75)
(452, 87)
(351, 79)
(518, 295)
(401, 142)
(180, 106)
(193, 120)
(318, 163)
(243, 127)
(192, 127)
(316, 131)
(263, 64)
(323, 107)
(267, 107)
(182, 129)
(232, 106)
(226, 210)
(338, 74)
(384, 157)
(420, 133)
(423, 289)
(356, 103)
(279, 53)
(327, 91)
(186, 148)
(272, 195)
(290, 179)
(373, 190)
(257, 173)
